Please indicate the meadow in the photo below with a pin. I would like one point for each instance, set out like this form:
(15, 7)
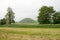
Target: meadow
(30, 32)
(31, 25)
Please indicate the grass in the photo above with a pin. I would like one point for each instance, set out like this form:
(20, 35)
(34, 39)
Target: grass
(19, 25)
(7, 33)
(28, 31)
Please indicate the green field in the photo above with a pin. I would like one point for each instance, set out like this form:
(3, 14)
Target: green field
(29, 31)
(7, 33)
(31, 25)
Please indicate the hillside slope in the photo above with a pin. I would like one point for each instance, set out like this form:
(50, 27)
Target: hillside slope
(28, 20)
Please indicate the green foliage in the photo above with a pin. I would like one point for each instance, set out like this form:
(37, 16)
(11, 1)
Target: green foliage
(13, 21)
(56, 18)
(10, 16)
(45, 15)
(3, 21)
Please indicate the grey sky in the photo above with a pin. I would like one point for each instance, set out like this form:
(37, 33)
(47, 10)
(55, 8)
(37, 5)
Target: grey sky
(26, 8)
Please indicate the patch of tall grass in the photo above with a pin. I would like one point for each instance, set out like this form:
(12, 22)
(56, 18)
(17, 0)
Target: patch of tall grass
(32, 25)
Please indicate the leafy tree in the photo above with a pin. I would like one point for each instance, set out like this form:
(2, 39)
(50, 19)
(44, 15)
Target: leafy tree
(56, 18)
(3, 21)
(45, 15)
(10, 15)
(13, 21)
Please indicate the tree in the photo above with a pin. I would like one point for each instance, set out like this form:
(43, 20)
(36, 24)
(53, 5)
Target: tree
(3, 21)
(10, 15)
(45, 13)
(56, 18)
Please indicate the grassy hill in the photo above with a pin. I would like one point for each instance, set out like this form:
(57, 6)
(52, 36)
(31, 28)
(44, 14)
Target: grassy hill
(28, 20)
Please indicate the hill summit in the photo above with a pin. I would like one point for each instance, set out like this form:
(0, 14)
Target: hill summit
(27, 20)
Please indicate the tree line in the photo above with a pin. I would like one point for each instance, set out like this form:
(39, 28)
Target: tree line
(47, 15)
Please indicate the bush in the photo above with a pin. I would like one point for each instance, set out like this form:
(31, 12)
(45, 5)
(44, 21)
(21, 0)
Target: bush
(3, 21)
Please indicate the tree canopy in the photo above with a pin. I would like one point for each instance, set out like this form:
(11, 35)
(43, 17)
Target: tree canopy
(10, 16)
(45, 13)
(56, 18)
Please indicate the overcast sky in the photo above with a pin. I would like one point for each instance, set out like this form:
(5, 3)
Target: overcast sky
(26, 8)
